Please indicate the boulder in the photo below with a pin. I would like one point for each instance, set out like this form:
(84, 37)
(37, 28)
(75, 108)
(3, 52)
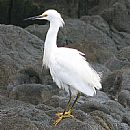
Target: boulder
(124, 53)
(19, 115)
(32, 93)
(125, 79)
(102, 70)
(97, 21)
(117, 15)
(89, 113)
(124, 98)
(121, 39)
(116, 64)
(17, 123)
(88, 38)
(18, 48)
(112, 84)
(107, 122)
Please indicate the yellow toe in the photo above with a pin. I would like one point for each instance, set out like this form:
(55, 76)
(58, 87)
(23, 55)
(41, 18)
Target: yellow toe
(62, 116)
(57, 121)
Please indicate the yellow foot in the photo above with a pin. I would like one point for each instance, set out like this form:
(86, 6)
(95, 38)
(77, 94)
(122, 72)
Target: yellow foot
(62, 116)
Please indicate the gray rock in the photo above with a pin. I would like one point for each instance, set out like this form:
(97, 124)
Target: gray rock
(38, 30)
(18, 48)
(77, 32)
(74, 124)
(126, 79)
(106, 49)
(126, 37)
(95, 35)
(115, 64)
(124, 53)
(27, 75)
(17, 123)
(112, 84)
(126, 118)
(107, 122)
(124, 98)
(56, 101)
(117, 15)
(121, 39)
(116, 109)
(71, 33)
(19, 115)
(33, 93)
(102, 70)
(88, 38)
(97, 21)
(97, 114)
(44, 107)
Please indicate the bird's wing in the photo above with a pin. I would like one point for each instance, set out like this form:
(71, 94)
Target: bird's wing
(69, 67)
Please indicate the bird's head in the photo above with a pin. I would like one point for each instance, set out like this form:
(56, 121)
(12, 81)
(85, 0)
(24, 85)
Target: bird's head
(50, 15)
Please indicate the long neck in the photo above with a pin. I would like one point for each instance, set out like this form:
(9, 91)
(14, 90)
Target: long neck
(51, 37)
(50, 43)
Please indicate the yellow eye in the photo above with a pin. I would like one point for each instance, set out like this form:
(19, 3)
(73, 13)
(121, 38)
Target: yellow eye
(45, 15)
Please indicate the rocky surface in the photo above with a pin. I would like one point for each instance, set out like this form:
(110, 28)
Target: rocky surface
(116, 12)
(18, 49)
(28, 97)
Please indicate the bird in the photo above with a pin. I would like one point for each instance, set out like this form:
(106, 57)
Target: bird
(68, 66)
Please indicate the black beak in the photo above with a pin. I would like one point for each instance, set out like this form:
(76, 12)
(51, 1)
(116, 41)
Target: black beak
(33, 18)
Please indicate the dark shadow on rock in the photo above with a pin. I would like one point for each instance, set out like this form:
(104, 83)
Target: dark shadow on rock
(32, 93)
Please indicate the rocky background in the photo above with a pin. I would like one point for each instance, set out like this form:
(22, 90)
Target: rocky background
(29, 99)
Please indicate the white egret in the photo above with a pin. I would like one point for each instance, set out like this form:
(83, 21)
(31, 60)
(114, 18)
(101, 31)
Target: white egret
(68, 67)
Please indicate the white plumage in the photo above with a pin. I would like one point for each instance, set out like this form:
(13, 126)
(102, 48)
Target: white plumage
(68, 67)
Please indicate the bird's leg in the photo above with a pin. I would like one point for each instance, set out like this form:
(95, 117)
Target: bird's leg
(68, 104)
(67, 114)
(78, 95)
(64, 114)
